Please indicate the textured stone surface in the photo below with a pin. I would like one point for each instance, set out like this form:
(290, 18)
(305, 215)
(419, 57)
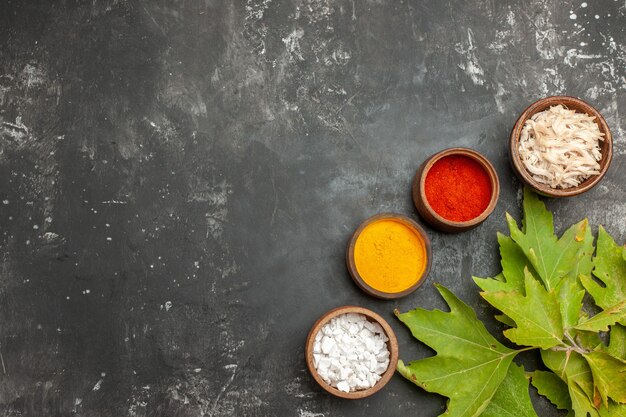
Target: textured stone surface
(179, 179)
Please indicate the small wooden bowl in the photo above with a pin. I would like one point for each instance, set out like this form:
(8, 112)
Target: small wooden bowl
(350, 262)
(573, 103)
(427, 212)
(392, 346)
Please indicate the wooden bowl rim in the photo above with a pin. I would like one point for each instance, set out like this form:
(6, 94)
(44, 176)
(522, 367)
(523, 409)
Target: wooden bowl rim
(392, 345)
(487, 166)
(573, 103)
(351, 263)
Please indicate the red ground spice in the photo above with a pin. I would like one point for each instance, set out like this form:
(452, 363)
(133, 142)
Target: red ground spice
(458, 188)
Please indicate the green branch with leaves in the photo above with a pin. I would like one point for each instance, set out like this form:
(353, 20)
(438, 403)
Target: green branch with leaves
(539, 295)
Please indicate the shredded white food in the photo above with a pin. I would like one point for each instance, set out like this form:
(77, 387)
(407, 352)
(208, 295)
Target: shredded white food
(560, 147)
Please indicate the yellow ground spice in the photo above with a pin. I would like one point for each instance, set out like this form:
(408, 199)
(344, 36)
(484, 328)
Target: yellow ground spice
(390, 256)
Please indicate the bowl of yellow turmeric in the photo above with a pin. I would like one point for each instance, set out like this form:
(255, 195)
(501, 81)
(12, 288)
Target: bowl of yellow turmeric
(389, 256)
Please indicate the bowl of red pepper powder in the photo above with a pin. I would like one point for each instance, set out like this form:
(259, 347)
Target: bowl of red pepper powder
(456, 189)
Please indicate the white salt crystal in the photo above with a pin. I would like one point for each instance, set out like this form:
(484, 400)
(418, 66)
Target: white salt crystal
(377, 345)
(373, 365)
(322, 368)
(316, 359)
(382, 355)
(343, 386)
(355, 318)
(363, 384)
(366, 333)
(369, 326)
(379, 368)
(371, 379)
(327, 344)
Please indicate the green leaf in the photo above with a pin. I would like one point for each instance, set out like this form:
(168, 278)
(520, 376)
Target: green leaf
(540, 294)
(613, 410)
(588, 340)
(497, 283)
(512, 398)
(584, 264)
(553, 388)
(610, 268)
(466, 351)
(571, 295)
(601, 321)
(581, 405)
(574, 370)
(609, 376)
(504, 319)
(617, 342)
(513, 263)
(570, 290)
(537, 315)
(552, 258)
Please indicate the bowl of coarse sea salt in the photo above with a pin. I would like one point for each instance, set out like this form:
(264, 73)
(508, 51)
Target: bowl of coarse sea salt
(351, 352)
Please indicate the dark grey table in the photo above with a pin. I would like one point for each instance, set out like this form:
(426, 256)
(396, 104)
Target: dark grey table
(179, 179)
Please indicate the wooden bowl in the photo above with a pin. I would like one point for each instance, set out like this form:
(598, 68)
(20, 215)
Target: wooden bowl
(427, 212)
(392, 346)
(356, 277)
(573, 103)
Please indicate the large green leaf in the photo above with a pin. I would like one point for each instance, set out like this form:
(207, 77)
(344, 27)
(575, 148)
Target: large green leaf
(570, 290)
(553, 388)
(512, 398)
(574, 370)
(539, 294)
(609, 376)
(537, 314)
(610, 268)
(552, 258)
(601, 321)
(513, 263)
(578, 260)
(466, 352)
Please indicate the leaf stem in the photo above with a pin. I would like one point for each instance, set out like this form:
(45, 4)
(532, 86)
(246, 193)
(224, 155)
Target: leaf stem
(570, 339)
(575, 346)
(572, 347)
